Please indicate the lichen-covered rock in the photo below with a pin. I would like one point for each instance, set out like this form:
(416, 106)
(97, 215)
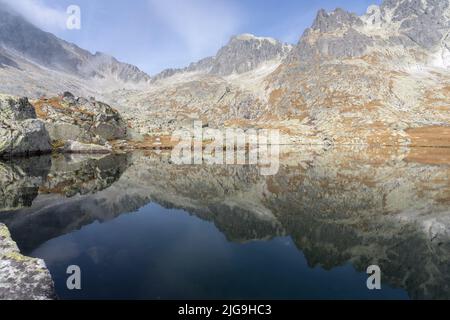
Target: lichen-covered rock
(22, 278)
(15, 109)
(20, 132)
(73, 118)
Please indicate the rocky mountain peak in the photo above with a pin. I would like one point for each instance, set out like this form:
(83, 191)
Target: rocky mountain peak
(337, 19)
(246, 52)
(413, 6)
(252, 38)
(402, 24)
(243, 53)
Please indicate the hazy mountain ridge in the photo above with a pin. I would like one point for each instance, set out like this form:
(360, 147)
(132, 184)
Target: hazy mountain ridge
(28, 52)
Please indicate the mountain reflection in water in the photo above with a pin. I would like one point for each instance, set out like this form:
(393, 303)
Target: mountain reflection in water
(227, 232)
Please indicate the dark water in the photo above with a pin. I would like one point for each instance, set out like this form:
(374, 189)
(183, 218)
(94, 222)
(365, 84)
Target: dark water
(140, 227)
(168, 254)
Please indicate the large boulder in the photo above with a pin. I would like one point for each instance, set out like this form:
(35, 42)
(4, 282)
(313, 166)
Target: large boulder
(78, 119)
(22, 278)
(62, 131)
(20, 132)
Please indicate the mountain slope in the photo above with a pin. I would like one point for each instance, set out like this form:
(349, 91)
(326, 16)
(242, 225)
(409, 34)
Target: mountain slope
(213, 89)
(371, 79)
(34, 62)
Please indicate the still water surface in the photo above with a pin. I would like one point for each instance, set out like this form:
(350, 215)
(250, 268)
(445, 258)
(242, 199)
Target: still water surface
(140, 227)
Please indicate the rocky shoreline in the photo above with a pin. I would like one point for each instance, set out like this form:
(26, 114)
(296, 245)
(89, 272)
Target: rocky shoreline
(63, 124)
(21, 277)
(69, 124)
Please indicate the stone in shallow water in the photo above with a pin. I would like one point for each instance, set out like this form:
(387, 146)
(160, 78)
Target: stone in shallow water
(78, 147)
(22, 278)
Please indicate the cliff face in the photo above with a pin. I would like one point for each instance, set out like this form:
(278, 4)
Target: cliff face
(395, 25)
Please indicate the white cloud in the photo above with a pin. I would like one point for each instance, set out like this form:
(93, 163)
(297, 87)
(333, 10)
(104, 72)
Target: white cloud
(39, 14)
(203, 25)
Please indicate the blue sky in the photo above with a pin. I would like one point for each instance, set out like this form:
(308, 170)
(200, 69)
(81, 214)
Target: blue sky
(158, 34)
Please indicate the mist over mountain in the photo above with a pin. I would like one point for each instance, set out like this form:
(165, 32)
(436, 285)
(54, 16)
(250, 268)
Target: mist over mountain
(37, 62)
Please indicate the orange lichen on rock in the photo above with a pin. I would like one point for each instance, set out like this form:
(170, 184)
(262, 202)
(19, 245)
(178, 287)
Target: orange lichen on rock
(39, 106)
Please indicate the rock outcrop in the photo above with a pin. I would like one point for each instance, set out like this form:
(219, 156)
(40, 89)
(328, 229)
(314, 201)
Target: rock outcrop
(22, 278)
(64, 123)
(71, 119)
(21, 133)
